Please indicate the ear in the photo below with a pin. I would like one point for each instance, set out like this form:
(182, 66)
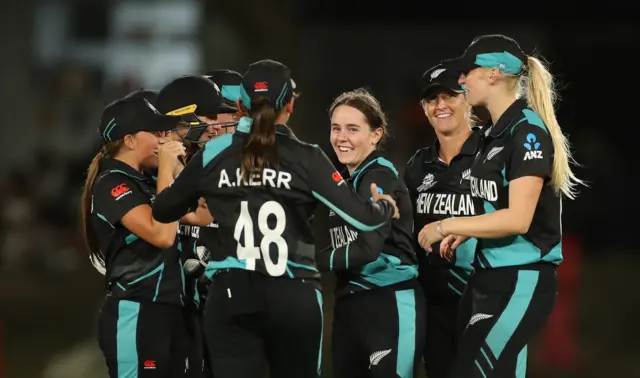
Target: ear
(493, 76)
(378, 133)
(130, 141)
(289, 106)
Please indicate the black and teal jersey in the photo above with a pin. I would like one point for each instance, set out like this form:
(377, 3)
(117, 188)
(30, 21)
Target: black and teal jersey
(383, 257)
(518, 145)
(264, 223)
(439, 191)
(135, 270)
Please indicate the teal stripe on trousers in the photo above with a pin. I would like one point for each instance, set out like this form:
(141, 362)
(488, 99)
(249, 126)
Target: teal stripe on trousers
(406, 303)
(127, 350)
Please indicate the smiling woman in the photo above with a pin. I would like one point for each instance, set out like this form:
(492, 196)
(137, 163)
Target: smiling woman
(376, 270)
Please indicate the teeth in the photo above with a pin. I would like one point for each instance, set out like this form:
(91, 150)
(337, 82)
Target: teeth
(443, 115)
(344, 149)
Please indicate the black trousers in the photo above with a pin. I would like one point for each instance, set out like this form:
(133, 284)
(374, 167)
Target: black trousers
(197, 360)
(505, 308)
(379, 333)
(253, 321)
(140, 339)
(443, 287)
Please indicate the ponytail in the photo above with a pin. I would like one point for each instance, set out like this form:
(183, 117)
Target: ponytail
(90, 237)
(260, 150)
(541, 97)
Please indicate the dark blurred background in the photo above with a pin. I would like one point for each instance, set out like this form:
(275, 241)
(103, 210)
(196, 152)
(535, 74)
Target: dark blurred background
(63, 61)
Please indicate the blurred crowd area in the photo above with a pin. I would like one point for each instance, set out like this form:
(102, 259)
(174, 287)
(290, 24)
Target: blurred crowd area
(72, 58)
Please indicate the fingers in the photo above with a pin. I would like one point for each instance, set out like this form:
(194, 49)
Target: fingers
(374, 191)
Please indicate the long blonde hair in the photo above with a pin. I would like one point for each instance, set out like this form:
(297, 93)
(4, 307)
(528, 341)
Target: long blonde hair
(538, 87)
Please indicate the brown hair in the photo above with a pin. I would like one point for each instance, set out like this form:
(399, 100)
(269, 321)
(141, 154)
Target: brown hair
(260, 150)
(90, 238)
(366, 103)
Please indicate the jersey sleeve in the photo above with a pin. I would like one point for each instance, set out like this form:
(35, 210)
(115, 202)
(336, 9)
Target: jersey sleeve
(531, 153)
(328, 187)
(181, 197)
(114, 195)
(368, 245)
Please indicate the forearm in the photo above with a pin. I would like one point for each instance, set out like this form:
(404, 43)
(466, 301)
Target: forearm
(494, 225)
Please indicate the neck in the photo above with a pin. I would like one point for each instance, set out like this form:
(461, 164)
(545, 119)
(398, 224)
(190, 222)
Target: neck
(451, 144)
(353, 167)
(282, 118)
(130, 161)
(499, 105)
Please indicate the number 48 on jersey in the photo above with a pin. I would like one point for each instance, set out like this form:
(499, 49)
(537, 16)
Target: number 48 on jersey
(247, 249)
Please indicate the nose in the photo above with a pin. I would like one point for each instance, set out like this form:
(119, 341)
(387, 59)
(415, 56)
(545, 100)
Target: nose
(440, 102)
(462, 79)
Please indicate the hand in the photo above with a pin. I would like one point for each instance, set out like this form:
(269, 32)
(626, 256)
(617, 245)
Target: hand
(449, 244)
(168, 154)
(377, 197)
(429, 235)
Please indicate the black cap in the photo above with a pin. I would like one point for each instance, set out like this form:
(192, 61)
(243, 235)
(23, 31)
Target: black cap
(131, 115)
(267, 78)
(228, 81)
(191, 95)
(492, 51)
(438, 78)
(148, 94)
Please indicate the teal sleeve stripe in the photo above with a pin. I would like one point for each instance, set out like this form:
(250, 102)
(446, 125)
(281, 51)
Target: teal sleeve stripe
(406, 303)
(345, 216)
(214, 147)
(486, 357)
(453, 273)
(151, 273)
(479, 368)
(331, 259)
(126, 334)
(513, 313)
(320, 304)
(388, 164)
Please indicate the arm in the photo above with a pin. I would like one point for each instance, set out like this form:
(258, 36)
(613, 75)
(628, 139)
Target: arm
(200, 217)
(526, 174)
(181, 197)
(328, 187)
(117, 198)
(368, 245)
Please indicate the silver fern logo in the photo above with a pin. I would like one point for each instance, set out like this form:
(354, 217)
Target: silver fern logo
(374, 358)
(478, 317)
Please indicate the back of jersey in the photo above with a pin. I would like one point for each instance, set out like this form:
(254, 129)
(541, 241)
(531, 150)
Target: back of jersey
(264, 221)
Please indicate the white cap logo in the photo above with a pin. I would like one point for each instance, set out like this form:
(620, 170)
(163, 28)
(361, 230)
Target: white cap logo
(437, 72)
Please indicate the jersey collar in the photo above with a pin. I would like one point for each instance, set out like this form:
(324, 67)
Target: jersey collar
(506, 120)
(372, 156)
(469, 147)
(110, 164)
(245, 123)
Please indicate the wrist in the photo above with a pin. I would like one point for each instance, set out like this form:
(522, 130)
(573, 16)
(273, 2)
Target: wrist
(441, 229)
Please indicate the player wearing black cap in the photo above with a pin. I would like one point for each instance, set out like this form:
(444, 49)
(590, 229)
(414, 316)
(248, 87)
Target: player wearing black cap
(438, 180)
(517, 180)
(140, 328)
(376, 271)
(150, 95)
(200, 100)
(262, 185)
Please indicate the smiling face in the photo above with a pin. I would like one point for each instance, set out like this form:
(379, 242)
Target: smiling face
(447, 111)
(352, 138)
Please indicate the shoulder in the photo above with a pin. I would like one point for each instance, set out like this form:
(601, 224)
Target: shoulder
(114, 184)
(529, 121)
(419, 155)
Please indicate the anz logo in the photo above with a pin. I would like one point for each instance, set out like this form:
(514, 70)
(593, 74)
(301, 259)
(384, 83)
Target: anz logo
(532, 147)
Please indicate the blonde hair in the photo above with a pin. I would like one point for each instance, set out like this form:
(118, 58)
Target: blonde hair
(538, 87)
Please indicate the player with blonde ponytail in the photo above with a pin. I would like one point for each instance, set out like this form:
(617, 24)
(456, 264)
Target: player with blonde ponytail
(517, 181)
